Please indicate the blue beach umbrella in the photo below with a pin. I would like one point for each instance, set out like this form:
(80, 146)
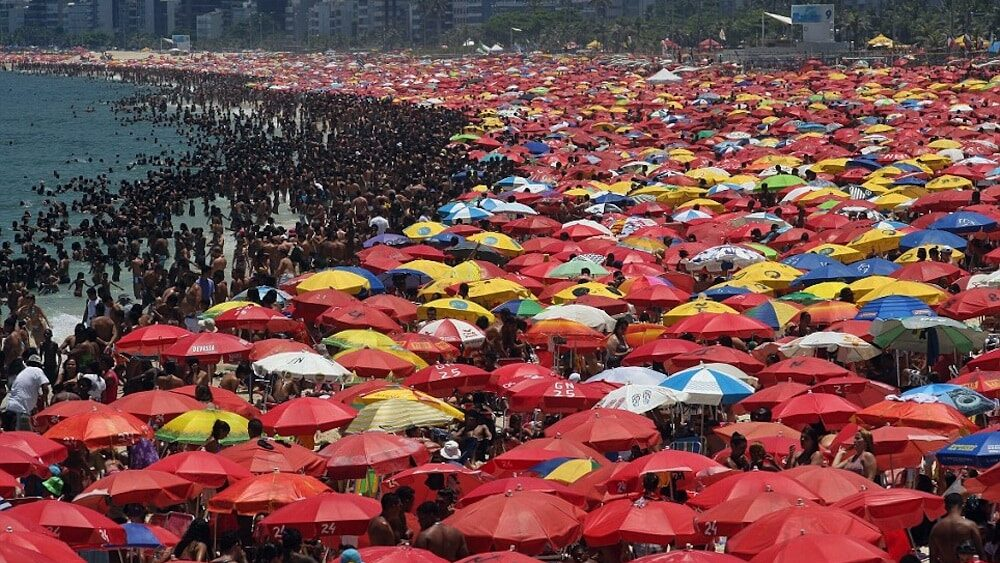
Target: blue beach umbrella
(139, 536)
(708, 386)
(894, 307)
(964, 222)
(376, 284)
(874, 267)
(981, 449)
(932, 236)
(809, 261)
(963, 399)
(832, 272)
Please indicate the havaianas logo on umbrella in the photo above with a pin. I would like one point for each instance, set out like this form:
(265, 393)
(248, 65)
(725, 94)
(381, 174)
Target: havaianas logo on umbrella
(458, 304)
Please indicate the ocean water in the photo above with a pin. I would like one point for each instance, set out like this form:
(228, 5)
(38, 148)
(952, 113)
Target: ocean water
(57, 124)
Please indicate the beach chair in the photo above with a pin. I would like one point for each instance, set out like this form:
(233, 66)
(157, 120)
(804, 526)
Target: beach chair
(175, 522)
(692, 444)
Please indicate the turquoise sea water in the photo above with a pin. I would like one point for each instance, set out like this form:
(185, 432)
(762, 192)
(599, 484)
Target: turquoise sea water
(50, 123)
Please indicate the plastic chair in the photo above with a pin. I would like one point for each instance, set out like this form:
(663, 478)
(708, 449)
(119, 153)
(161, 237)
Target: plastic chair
(692, 444)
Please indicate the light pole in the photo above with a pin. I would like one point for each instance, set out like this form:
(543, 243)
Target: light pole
(512, 30)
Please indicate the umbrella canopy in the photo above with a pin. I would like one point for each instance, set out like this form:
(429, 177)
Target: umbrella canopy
(142, 486)
(265, 493)
(707, 386)
(78, 526)
(258, 318)
(641, 398)
(195, 427)
(204, 468)
(150, 341)
(145, 536)
(829, 483)
(324, 515)
(558, 396)
(502, 486)
(399, 554)
(778, 527)
(530, 522)
(755, 482)
(34, 445)
(97, 430)
(729, 517)
(963, 399)
(928, 335)
(156, 405)
(351, 456)
(849, 348)
(893, 509)
(208, 347)
(442, 379)
(937, 417)
(396, 415)
(771, 396)
(832, 411)
(894, 307)
(607, 430)
(301, 365)
(374, 362)
(981, 449)
(823, 548)
(802, 369)
(269, 456)
(306, 415)
(641, 521)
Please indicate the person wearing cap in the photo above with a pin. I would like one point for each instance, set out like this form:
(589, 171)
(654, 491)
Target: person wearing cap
(451, 452)
(29, 386)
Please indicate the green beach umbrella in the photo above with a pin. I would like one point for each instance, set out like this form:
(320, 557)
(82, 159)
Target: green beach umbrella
(801, 297)
(927, 335)
(575, 268)
(779, 182)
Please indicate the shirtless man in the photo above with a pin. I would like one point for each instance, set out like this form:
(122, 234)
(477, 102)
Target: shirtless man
(951, 530)
(381, 530)
(168, 379)
(440, 539)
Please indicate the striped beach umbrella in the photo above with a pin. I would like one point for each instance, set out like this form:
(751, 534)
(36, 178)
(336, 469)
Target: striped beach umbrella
(708, 386)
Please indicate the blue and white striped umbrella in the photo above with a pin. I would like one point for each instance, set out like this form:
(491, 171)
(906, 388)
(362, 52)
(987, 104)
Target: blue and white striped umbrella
(708, 386)
(467, 214)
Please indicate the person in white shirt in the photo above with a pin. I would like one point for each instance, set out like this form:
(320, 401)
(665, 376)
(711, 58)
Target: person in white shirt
(380, 223)
(97, 387)
(29, 385)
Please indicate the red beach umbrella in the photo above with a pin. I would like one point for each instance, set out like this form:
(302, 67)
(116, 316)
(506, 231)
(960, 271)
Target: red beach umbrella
(78, 526)
(641, 521)
(257, 318)
(351, 456)
(771, 396)
(729, 517)
(425, 345)
(829, 483)
(19, 463)
(804, 370)
(823, 548)
(659, 351)
(312, 304)
(161, 406)
(607, 430)
(498, 557)
(858, 390)
(207, 469)
(893, 509)
(784, 525)
(224, 399)
(530, 522)
(44, 545)
(324, 515)
(711, 326)
(208, 347)
(832, 410)
(150, 341)
(269, 456)
(689, 555)
(358, 316)
(558, 396)
(400, 309)
(97, 430)
(399, 554)
(306, 415)
(752, 483)
(35, 445)
(501, 486)
(718, 354)
(11, 553)
(442, 379)
(971, 303)
(142, 486)
(265, 493)
(52, 414)
(271, 346)
(371, 362)
(937, 417)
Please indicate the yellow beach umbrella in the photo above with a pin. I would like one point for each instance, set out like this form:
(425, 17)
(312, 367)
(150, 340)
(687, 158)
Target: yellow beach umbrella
(949, 182)
(752, 286)
(912, 255)
(692, 308)
(838, 252)
(930, 294)
(455, 308)
(571, 470)
(941, 144)
(348, 282)
(430, 268)
(360, 338)
(891, 200)
(412, 395)
(864, 286)
(498, 241)
(195, 427)
(827, 290)
(493, 292)
(877, 240)
(396, 415)
(424, 230)
(703, 202)
(574, 292)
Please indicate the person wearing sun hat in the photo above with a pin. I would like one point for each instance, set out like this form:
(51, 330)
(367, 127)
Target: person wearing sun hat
(54, 484)
(28, 387)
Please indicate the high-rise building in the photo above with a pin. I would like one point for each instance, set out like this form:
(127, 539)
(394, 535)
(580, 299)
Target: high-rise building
(209, 25)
